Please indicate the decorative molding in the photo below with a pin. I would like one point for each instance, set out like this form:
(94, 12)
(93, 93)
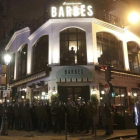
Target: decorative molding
(24, 30)
(108, 25)
(29, 79)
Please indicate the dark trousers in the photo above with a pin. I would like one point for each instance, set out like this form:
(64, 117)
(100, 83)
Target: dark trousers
(138, 131)
(109, 129)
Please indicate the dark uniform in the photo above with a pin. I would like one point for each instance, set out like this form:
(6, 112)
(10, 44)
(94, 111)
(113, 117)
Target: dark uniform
(18, 116)
(72, 114)
(34, 117)
(106, 118)
(82, 116)
(10, 116)
(90, 113)
(55, 118)
(27, 117)
(1, 111)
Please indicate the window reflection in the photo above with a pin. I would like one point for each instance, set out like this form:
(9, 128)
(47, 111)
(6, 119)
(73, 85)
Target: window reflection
(109, 50)
(40, 54)
(73, 47)
(22, 61)
(133, 56)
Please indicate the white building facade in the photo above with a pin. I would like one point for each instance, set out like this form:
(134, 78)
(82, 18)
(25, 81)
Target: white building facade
(74, 47)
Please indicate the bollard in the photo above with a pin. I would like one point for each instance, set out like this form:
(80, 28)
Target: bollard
(66, 126)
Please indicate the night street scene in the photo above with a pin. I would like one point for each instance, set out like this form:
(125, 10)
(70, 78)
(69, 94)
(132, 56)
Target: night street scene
(69, 69)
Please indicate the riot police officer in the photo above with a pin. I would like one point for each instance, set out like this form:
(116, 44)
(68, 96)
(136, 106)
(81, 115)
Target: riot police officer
(55, 117)
(106, 118)
(90, 113)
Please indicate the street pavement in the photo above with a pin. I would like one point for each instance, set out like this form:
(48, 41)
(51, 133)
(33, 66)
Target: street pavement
(34, 135)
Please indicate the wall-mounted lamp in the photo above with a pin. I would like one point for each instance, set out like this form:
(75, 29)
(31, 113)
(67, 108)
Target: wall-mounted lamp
(93, 92)
(8, 101)
(54, 91)
(102, 92)
(22, 97)
(0, 101)
(42, 97)
(101, 98)
(135, 94)
(122, 95)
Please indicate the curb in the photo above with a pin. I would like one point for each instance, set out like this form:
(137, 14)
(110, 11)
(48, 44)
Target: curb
(118, 137)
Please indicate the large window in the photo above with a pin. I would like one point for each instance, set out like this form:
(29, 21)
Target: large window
(133, 56)
(120, 97)
(40, 54)
(73, 47)
(109, 50)
(11, 67)
(22, 61)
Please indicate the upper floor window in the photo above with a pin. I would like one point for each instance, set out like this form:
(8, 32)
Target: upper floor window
(73, 47)
(22, 61)
(109, 50)
(133, 56)
(40, 54)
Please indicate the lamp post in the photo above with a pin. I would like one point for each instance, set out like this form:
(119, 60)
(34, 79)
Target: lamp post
(4, 132)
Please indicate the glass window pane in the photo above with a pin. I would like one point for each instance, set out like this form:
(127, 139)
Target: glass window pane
(63, 37)
(105, 38)
(72, 37)
(112, 40)
(80, 37)
(72, 30)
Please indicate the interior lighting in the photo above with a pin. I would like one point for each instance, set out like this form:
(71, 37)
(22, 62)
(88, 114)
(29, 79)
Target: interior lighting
(135, 94)
(134, 17)
(43, 93)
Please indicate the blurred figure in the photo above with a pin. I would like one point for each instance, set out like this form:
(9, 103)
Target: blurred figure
(137, 117)
(33, 117)
(27, 117)
(106, 118)
(72, 112)
(90, 113)
(10, 116)
(82, 116)
(1, 112)
(55, 117)
(18, 116)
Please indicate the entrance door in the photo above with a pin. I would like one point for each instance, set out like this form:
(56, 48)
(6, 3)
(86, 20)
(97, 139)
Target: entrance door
(74, 93)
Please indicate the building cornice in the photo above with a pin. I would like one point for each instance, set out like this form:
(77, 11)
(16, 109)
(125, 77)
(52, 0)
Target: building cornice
(68, 20)
(24, 30)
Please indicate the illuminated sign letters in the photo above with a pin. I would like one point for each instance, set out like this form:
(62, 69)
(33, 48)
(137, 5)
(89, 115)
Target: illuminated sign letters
(72, 11)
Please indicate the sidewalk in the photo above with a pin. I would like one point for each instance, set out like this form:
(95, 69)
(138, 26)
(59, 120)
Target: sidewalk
(34, 135)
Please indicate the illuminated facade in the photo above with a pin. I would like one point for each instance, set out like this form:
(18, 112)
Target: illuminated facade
(60, 57)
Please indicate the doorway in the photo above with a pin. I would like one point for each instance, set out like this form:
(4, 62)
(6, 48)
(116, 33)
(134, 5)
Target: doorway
(74, 93)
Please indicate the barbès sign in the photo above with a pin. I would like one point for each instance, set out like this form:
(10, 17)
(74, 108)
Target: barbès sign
(72, 10)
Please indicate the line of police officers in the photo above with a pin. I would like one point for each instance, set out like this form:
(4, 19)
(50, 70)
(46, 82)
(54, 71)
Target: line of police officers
(43, 117)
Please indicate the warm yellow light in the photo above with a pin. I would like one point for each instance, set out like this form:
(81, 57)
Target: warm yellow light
(134, 17)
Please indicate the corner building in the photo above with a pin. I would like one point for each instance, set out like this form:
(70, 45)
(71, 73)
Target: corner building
(61, 57)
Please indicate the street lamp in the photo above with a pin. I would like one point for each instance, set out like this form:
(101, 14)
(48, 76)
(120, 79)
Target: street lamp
(4, 132)
(134, 17)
